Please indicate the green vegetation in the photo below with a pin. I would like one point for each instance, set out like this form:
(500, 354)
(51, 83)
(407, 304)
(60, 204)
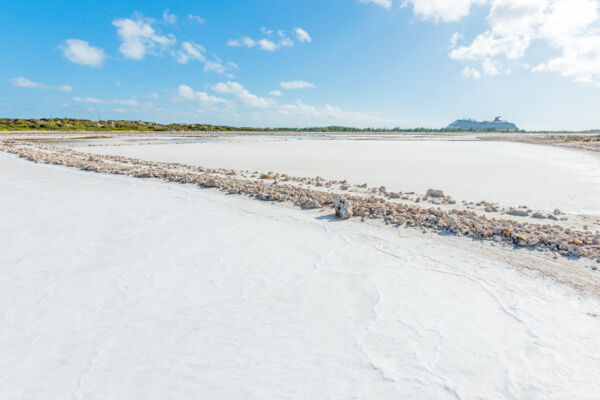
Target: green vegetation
(72, 125)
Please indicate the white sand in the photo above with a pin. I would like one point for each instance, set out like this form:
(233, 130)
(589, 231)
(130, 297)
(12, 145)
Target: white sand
(120, 288)
(513, 174)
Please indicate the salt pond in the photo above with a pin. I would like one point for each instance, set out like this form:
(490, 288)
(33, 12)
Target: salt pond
(113, 287)
(541, 177)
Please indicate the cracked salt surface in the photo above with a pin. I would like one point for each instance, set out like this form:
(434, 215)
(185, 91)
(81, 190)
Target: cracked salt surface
(120, 288)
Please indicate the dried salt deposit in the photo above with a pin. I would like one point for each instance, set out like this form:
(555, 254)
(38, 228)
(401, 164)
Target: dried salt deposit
(120, 288)
(511, 174)
(377, 204)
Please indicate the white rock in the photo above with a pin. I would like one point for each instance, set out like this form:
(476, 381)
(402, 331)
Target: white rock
(343, 208)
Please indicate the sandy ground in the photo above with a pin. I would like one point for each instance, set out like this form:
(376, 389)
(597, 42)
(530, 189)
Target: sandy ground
(116, 287)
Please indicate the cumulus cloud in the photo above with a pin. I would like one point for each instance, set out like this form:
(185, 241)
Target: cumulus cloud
(488, 44)
(138, 37)
(168, 17)
(570, 27)
(470, 72)
(26, 83)
(296, 85)
(302, 35)
(242, 95)
(195, 18)
(186, 93)
(80, 52)
(381, 3)
(444, 10)
(189, 51)
(490, 67)
(328, 114)
(271, 42)
(268, 45)
(243, 41)
(455, 38)
(214, 66)
(276, 93)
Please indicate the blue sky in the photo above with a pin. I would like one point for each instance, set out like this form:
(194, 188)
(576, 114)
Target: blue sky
(377, 63)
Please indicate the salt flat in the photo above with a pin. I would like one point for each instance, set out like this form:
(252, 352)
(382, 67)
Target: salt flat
(117, 288)
(513, 174)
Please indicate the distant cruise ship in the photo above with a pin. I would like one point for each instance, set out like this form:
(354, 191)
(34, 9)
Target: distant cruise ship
(498, 124)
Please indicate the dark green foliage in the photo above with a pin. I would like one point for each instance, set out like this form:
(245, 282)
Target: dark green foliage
(71, 124)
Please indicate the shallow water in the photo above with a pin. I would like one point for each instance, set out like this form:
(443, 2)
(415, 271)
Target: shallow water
(541, 177)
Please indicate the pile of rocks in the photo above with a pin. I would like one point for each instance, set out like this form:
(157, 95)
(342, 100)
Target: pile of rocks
(372, 205)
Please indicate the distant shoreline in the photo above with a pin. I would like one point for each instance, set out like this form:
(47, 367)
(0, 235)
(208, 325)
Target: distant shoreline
(63, 125)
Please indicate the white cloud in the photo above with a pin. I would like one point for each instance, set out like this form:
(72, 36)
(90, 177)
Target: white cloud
(381, 3)
(488, 44)
(169, 18)
(214, 66)
(80, 52)
(276, 93)
(244, 41)
(572, 27)
(63, 88)
(93, 100)
(189, 51)
(286, 42)
(328, 114)
(270, 42)
(296, 85)
(26, 83)
(248, 42)
(490, 67)
(186, 93)
(232, 65)
(195, 18)
(302, 35)
(455, 38)
(243, 96)
(138, 37)
(470, 72)
(268, 45)
(444, 10)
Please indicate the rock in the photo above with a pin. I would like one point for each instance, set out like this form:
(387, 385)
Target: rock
(556, 211)
(491, 209)
(577, 242)
(452, 224)
(343, 208)
(538, 215)
(310, 204)
(435, 193)
(517, 212)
